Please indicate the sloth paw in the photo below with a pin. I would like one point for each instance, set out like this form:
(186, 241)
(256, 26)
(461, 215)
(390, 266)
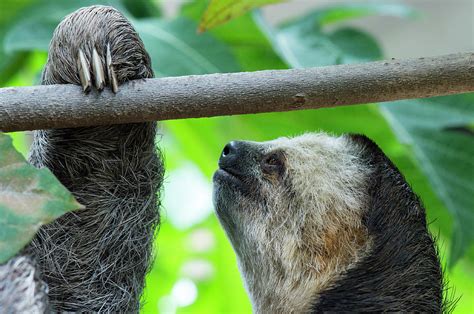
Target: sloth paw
(100, 77)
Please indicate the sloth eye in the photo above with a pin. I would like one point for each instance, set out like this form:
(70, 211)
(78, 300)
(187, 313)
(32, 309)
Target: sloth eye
(272, 160)
(273, 163)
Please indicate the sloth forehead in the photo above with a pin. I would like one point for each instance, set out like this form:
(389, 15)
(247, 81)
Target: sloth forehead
(324, 169)
(316, 152)
(307, 145)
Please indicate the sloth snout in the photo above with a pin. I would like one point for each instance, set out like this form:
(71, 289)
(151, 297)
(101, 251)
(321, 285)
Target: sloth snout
(233, 158)
(233, 153)
(229, 150)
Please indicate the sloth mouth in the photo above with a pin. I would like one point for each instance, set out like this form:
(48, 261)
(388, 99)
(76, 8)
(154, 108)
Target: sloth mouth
(237, 184)
(230, 179)
(228, 176)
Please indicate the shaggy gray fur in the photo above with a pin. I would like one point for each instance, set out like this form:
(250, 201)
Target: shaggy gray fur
(21, 289)
(96, 259)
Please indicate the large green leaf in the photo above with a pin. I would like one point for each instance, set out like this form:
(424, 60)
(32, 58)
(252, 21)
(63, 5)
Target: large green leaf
(434, 130)
(29, 198)
(176, 49)
(221, 11)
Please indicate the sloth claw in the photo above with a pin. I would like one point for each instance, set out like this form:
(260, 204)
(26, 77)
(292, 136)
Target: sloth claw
(101, 77)
(110, 71)
(99, 74)
(84, 74)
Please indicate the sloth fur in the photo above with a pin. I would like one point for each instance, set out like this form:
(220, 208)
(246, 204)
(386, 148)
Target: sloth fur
(326, 224)
(21, 288)
(96, 259)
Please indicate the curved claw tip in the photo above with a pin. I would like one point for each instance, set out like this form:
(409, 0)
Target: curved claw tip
(110, 71)
(83, 69)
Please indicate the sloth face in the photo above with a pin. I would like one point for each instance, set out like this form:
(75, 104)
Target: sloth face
(292, 205)
(261, 185)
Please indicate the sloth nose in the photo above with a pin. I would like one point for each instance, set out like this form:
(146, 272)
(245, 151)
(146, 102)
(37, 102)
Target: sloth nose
(232, 154)
(236, 158)
(232, 158)
(229, 150)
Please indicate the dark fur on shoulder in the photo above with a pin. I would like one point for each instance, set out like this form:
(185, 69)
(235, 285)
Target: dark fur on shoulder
(402, 272)
(96, 259)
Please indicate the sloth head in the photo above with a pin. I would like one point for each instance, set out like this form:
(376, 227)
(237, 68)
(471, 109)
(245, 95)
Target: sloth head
(318, 219)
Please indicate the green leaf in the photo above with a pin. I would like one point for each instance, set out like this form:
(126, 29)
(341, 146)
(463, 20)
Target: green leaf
(243, 37)
(29, 198)
(10, 9)
(436, 130)
(29, 35)
(306, 43)
(250, 46)
(10, 63)
(142, 8)
(302, 47)
(176, 49)
(221, 11)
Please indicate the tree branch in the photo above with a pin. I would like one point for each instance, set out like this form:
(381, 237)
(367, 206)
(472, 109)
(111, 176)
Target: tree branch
(59, 106)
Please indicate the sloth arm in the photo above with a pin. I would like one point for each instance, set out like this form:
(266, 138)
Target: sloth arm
(96, 259)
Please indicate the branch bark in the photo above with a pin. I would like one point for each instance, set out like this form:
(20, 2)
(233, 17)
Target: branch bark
(59, 106)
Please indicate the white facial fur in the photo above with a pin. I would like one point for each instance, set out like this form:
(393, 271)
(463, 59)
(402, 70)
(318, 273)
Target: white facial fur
(299, 232)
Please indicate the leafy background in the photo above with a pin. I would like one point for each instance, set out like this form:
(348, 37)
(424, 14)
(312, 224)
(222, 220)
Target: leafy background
(430, 140)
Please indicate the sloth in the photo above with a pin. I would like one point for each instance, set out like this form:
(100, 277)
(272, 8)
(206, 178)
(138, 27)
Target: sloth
(94, 259)
(326, 224)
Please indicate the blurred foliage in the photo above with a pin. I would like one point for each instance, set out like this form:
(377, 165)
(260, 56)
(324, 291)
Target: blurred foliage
(220, 11)
(436, 130)
(305, 42)
(179, 50)
(431, 140)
